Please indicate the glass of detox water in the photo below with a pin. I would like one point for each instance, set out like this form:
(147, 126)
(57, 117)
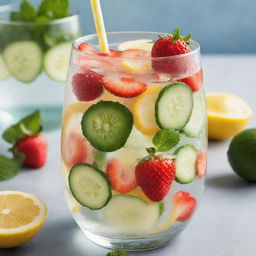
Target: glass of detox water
(34, 60)
(134, 140)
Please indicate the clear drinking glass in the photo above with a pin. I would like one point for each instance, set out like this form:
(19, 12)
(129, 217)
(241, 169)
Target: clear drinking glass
(33, 66)
(114, 106)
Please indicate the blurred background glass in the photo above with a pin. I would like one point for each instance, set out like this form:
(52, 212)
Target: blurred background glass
(33, 66)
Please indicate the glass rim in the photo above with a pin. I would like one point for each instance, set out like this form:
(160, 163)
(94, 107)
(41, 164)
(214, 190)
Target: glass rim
(86, 38)
(8, 8)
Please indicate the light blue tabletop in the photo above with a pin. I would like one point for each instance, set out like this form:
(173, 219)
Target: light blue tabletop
(224, 224)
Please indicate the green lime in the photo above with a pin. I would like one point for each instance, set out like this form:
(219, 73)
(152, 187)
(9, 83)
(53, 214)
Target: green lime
(242, 154)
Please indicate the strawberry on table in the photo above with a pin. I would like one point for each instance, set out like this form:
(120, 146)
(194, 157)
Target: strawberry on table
(123, 86)
(155, 175)
(35, 150)
(201, 164)
(195, 81)
(184, 204)
(171, 45)
(87, 85)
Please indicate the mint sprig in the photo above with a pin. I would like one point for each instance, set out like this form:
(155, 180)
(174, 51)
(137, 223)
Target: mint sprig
(27, 11)
(118, 253)
(166, 139)
(28, 126)
(8, 168)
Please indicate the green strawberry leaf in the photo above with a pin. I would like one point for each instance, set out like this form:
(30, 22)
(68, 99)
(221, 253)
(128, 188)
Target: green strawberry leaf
(166, 139)
(28, 126)
(27, 11)
(8, 168)
(118, 253)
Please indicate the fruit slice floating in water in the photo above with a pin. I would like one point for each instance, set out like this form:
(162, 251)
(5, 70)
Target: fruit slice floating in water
(195, 82)
(143, 111)
(201, 164)
(137, 61)
(227, 115)
(89, 186)
(123, 86)
(141, 44)
(4, 74)
(22, 215)
(174, 106)
(197, 119)
(107, 125)
(76, 149)
(185, 161)
(183, 206)
(155, 175)
(121, 170)
(130, 214)
(87, 86)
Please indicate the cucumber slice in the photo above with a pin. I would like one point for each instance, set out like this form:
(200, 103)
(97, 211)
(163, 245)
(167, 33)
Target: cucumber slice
(56, 61)
(185, 164)
(89, 186)
(107, 125)
(174, 106)
(4, 73)
(131, 214)
(23, 60)
(197, 119)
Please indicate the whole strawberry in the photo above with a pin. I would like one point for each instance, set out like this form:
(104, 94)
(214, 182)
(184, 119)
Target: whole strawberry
(155, 175)
(35, 150)
(171, 45)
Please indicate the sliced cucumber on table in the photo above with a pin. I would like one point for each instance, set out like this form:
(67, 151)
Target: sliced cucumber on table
(128, 213)
(197, 119)
(56, 61)
(4, 73)
(174, 106)
(185, 164)
(23, 60)
(89, 186)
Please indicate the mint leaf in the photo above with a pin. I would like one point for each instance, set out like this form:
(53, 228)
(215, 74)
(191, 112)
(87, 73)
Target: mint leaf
(28, 126)
(46, 8)
(61, 9)
(118, 253)
(27, 11)
(15, 16)
(166, 139)
(8, 168)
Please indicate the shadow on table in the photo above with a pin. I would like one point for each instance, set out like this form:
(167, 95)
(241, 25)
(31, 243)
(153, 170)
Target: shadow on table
(228, 181)
(63, 239)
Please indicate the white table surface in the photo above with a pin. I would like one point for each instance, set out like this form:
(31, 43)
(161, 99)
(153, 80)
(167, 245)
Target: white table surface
(224, 224)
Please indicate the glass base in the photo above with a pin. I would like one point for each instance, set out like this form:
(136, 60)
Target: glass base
(136, 244)
(51, 116)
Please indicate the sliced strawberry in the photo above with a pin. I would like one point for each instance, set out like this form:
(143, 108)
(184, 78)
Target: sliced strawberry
(115, 53)
(122, 177)
(185, 205)
(76, 149)
(126, 87)
(86, 48)
(87, 86)
(195, 81)
(201, 164)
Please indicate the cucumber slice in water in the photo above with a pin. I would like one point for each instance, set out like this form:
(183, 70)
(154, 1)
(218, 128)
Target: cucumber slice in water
(56, 61)
(4, 73)
(185, 164)
(23, 60)
(174, 106)
(197, 119)
(107, 125)
(89, 186)
(131, 214)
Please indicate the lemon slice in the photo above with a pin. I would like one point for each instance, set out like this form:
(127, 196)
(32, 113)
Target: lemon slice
(21, 217)
(144, 111)
(227, 115)
(141, 44)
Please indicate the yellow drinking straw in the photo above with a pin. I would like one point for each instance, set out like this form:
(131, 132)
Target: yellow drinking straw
(99, 25)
